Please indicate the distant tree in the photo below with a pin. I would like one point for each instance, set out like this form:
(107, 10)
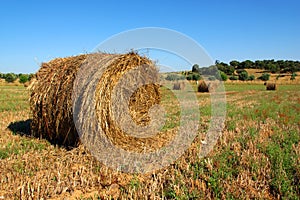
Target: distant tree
(189, 77)
(243, 76)
(3, 76)
(196, 68)
(171, 77)
(209, 71)
(10, 77)
(258, 64)
(234, 63)
(217, 62)
(280, 64)
(247, 64)
(297, 66)
(264, 77)
(251, 77)
(229, 70)
(224, 67)
(196, 77)
(23, 78)
(294, 67)
(272, 67)
(174, 77)
(193, 76)
(240, 71)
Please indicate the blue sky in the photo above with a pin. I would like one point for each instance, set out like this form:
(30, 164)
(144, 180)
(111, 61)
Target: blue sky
(32, 32)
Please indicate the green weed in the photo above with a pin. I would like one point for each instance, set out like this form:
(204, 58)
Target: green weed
(21, 147)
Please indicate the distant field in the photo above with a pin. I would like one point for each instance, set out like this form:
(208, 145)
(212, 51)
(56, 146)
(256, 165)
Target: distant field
(257, 156)
(283, 79)
(13, 98)
(258, 87)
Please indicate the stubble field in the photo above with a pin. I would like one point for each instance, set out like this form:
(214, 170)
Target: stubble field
(257, 156)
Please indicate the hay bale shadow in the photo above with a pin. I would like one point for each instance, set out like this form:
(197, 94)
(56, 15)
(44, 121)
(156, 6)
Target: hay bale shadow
(21, 127)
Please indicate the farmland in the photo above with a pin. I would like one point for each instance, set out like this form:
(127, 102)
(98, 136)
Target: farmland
(257, 156)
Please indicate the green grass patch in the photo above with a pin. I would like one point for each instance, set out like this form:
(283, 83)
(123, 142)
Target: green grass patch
(21, 147)
(284, 178)
(243, 87)
(13, 98)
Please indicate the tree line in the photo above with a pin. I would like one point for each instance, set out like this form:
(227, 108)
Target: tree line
(235, 70)
(12, 77)
(272, 66)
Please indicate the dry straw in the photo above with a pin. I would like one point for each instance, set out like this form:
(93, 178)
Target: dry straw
(51, 99)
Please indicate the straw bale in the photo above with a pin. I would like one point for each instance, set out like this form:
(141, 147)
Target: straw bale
(270, 86)
(202, 86)
(179, 86)
(62, 90)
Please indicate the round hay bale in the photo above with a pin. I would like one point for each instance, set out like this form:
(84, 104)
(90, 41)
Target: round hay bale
(52, 99)
(26, 84)
(179, 86)
(202, 86)
(270, 86)
(30, 84)
(213, 86)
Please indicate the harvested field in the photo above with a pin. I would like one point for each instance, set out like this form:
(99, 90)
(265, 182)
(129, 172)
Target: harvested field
(258, 155)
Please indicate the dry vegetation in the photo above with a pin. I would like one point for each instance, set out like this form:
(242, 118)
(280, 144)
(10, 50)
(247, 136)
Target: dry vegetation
(257, 157)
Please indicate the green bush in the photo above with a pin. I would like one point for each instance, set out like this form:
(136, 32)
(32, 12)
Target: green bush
(10, 77)
(234, 78)
(23, 78)
(3, 76)
(243, 76)
(174, 77)
(223, 76)
(240, 71)
(193, 77)
(251, 77)
(189, 77)
(264, 77)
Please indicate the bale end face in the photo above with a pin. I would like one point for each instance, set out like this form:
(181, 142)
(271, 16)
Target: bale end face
(202, 87)
(51, 100)
(179, 86)
(271, 86)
